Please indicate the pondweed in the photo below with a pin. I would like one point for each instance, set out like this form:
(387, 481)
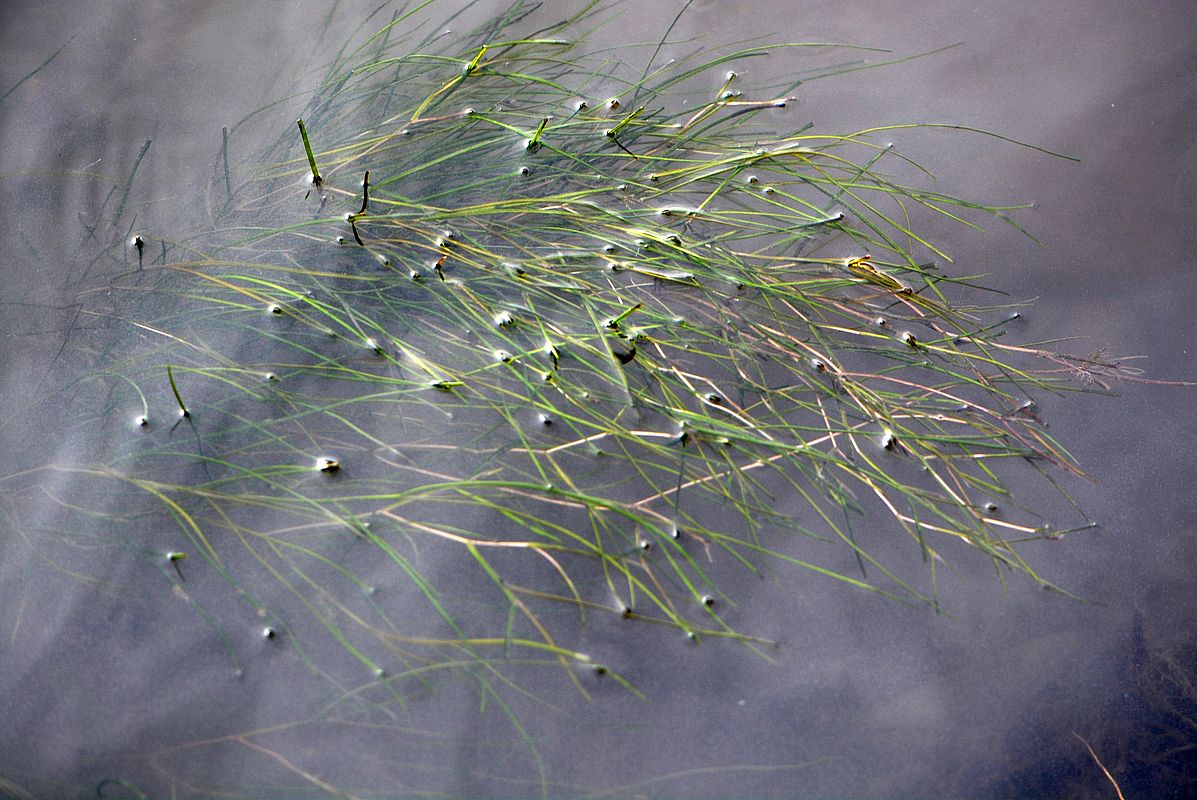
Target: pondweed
(517, 329)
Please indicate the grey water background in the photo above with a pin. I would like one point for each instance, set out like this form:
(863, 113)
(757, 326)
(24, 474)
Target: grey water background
(864, 698)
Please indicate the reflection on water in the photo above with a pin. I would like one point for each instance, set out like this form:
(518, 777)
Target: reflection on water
(128, 664)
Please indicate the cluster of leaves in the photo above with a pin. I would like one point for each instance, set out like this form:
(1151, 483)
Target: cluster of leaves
(585, 327)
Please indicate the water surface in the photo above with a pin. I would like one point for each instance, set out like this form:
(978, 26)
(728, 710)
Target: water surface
(119, 678)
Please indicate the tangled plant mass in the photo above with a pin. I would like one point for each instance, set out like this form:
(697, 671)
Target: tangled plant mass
(577, 320)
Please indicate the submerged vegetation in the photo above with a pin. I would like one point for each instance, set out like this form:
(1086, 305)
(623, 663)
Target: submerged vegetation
(516, 330)
(1141, 742)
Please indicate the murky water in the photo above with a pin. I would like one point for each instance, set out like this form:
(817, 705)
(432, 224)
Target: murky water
(131, 679)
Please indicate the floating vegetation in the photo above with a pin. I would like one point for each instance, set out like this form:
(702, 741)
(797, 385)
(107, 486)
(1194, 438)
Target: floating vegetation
(591, 352)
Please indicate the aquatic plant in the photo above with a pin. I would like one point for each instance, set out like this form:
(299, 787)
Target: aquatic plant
(515, 330)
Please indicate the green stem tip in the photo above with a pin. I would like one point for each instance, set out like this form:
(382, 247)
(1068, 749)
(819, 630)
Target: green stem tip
(307, 146)
(170, 374)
